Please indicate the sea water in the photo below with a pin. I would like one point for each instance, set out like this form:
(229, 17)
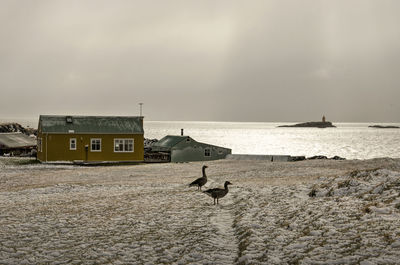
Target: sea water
(347, 140)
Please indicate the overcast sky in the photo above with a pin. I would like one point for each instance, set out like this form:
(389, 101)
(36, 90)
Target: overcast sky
(202, 60)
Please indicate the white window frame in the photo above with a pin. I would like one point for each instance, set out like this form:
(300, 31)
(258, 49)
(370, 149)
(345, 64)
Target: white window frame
(123, 145)
(91, 144)
(70, 143)
(209, 152)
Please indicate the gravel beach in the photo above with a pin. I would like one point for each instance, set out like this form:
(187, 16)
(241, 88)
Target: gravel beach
(306, 212)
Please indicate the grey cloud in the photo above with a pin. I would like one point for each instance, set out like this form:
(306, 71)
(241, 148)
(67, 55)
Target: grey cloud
(202, 60)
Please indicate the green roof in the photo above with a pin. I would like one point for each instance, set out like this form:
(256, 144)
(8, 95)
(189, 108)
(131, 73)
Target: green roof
(16, 140)
(170, 141)
(91, 124)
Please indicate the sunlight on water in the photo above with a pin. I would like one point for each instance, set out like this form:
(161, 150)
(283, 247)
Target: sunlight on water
(349, 140)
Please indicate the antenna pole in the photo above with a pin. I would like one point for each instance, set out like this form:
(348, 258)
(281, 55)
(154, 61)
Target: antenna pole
(141, 105)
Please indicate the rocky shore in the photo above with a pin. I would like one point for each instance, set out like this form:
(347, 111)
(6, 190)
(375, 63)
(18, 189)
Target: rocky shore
(16, 127)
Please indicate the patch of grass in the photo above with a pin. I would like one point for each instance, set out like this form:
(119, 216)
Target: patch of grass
(363, 174)
(28, 162)
(389, 200)
(367, 207)
(327, 185)
(313, 192)
(284, 224)
(354, 173)
(19, 161)
(344, 184)
(387, 237)
(306, 231)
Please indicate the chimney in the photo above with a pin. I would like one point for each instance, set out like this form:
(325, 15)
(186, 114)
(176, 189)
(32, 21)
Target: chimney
(181, 132)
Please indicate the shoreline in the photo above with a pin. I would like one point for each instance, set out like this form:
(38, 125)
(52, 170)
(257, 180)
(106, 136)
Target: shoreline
(265, 138)
(304, 169)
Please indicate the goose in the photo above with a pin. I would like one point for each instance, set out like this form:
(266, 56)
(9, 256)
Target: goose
(217, 193)
(200, 181)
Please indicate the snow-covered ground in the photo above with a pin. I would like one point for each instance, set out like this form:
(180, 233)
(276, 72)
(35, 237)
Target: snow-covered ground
(308, 212)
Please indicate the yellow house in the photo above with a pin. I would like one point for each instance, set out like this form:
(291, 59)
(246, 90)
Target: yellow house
(90, 138)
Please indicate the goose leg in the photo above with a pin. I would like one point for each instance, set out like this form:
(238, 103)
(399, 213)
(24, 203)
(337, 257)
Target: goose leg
(214, 201)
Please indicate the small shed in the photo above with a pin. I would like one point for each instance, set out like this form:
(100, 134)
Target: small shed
(186, 149)
(16, 143)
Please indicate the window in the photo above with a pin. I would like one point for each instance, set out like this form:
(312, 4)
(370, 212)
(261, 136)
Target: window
(207, 152)
(39, 144)
(95, 145)
(123, 145)
(72, 144)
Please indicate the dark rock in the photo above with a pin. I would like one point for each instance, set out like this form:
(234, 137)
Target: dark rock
(325, 157)
(337, 158)
(297, 158)
(317, 157)
(384, 127)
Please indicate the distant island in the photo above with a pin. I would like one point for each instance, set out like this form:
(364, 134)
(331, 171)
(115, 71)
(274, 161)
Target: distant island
(313, 124)
(384, 127)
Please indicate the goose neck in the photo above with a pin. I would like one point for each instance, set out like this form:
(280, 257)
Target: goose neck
(204, 172)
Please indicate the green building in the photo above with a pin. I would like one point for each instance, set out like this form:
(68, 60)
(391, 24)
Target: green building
(186, 149)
